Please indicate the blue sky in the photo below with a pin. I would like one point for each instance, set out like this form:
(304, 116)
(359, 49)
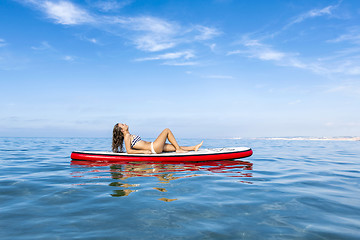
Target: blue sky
(207, 69)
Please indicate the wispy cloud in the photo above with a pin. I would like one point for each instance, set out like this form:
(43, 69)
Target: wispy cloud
(55, 53)
(180, 63)
(89, 39)
(315, 13)
(69, 58)
(253, 48)
(65, 12)
(12, 62)
(219, 76)
(312, 14)
(147, 33)
(342, 64)
(111, 5)
(43, 46)
(352, 35)
(349, 86)
(298, 101)
(173, 55)
(256, 49)
(93, 40)
(350, 66)
(344, 61)
(2, 42)
(206, 33)
(147, 24)
(212, 46)
(155, 34)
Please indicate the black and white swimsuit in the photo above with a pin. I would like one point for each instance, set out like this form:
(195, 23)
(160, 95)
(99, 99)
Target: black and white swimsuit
(136, 139)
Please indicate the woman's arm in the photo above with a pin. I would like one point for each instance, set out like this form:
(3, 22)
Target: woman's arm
(127, 141)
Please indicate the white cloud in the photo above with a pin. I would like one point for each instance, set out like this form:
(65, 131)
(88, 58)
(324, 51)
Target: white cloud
(69, 58)
(174, 63)
(351, 86)
(269, 54)
(236, 52)
(342, 62)
(43, 46)
(147, 33)
(212, 47)
(88, 39)
(2, 43)
(152, 43)
(206, 33)
(113, 5)
(295, 102)
(312, 14)
(174, 58)
(354, 70)
(251, 42)
(155, 34)
(92, 40)
(151, 25)
(353, 36)
(316, 13)
(219, 76)
(174, 55)
(326, 11)
(255, 49)
(346, 62)
(10, 61)
(63, 12)
(350, 66)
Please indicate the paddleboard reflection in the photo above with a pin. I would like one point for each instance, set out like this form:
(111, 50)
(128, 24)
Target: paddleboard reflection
(124, 173)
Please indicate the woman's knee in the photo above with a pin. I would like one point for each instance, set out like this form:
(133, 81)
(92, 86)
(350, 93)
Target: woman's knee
(167, 130)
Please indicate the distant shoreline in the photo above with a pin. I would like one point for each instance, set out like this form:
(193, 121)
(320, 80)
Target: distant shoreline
(231, 138)
(306, 138)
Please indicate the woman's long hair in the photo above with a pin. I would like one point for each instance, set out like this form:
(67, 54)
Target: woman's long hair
(118, 139)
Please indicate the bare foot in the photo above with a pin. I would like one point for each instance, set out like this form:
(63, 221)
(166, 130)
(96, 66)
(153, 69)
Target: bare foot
(180, 150)
(198, 146)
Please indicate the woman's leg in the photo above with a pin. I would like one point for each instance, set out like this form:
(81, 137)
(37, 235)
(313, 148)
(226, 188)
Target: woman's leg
(159, 143)
(192, 148)
(171, 148)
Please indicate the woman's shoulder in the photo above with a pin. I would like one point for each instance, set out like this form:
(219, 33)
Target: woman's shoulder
(128, 135)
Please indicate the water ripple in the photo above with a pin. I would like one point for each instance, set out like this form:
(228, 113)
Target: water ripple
(286, 190)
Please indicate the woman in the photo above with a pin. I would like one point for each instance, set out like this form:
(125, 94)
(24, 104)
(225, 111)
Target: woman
(134, 144)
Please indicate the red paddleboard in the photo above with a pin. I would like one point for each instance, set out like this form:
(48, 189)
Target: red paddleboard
(214, 154)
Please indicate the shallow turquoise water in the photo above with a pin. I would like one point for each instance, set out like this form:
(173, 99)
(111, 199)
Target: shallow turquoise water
(286, 190)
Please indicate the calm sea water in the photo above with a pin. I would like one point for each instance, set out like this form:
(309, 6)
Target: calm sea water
(286, 190)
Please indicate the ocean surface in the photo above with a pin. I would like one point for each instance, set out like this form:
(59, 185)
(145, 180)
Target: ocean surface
(288, 189)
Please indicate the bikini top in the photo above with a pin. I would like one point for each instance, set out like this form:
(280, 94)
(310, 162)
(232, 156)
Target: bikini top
(136, 139)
